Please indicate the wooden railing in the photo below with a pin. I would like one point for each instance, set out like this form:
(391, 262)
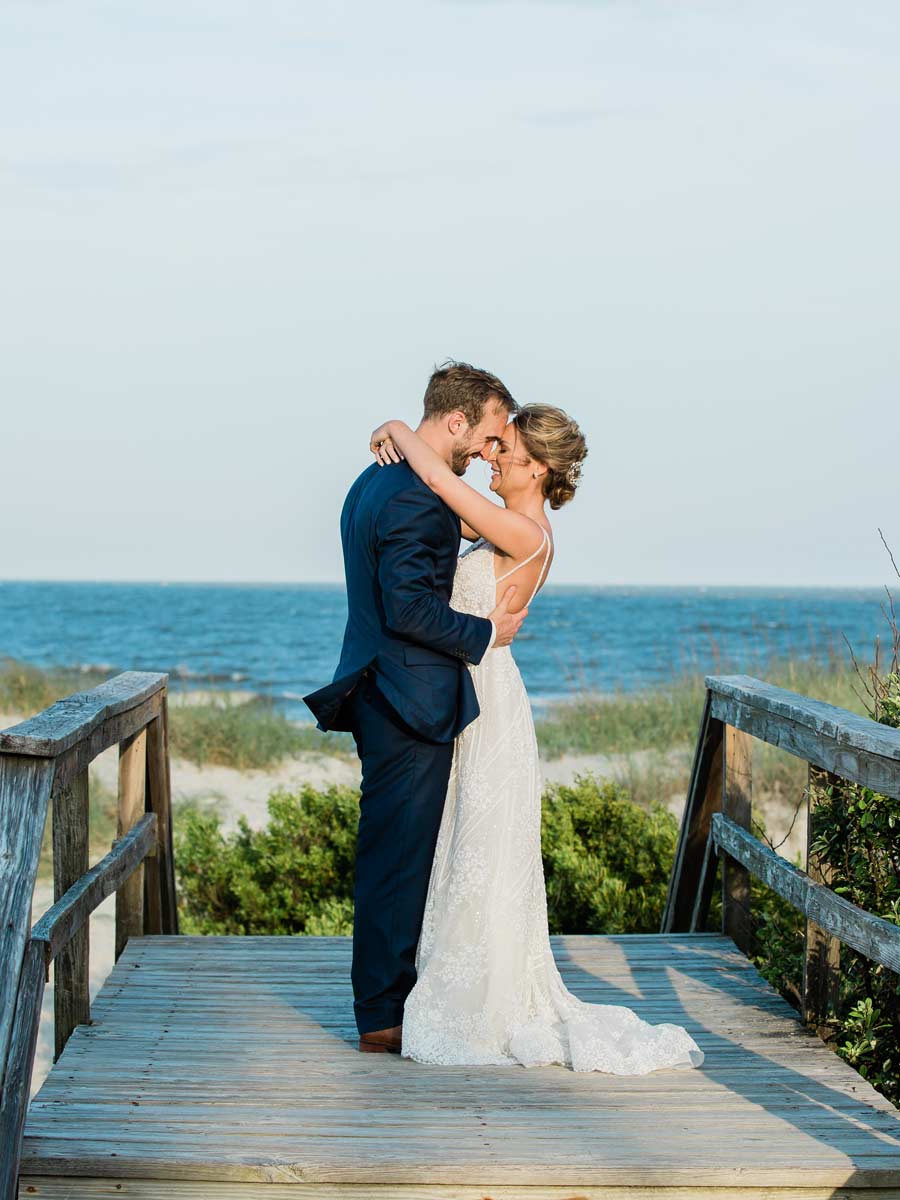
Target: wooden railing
(46, 759)
(837, 745)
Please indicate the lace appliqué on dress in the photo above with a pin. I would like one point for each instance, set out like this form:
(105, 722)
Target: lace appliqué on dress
(488, 988)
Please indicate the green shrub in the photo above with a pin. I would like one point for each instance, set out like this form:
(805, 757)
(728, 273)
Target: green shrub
(293, 876)
(857, 834)
(777, 930)
(606, 862)
(668, 715)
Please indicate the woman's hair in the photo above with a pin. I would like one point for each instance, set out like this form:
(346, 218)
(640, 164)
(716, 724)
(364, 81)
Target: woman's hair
(554, 439)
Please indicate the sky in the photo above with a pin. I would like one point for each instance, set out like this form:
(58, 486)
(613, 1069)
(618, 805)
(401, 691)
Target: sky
(237, 236)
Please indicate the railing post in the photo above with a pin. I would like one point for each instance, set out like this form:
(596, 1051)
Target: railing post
(683, 904)
(71, 859)
(26, 785)
(19, 1065)
(737, 782)
(822, 951)
(130, 896)
(161, 914)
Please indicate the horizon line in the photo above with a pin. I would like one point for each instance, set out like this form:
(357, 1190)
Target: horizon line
(173, 582)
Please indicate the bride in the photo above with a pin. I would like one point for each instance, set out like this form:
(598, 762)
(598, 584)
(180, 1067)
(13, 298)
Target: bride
(488, 990)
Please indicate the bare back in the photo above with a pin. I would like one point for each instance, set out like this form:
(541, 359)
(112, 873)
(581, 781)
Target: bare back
(529, 575)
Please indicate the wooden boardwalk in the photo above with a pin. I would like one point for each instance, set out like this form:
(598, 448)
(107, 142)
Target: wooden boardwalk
(226, 1066)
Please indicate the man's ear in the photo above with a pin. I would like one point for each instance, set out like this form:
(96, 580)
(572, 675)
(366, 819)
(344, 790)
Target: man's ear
(457, 423)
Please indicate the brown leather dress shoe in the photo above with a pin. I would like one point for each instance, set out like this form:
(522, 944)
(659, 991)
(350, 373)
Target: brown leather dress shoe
(382, 1041)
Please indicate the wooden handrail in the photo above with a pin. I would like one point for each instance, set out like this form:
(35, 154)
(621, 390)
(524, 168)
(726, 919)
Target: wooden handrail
(825, 720)
(62, 921)
(838, 745)
(74, 719)
(831, 738)
(864, 931)
(87, 728)
(44, 760)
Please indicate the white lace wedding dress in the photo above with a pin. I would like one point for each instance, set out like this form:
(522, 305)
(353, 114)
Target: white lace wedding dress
(488, 990)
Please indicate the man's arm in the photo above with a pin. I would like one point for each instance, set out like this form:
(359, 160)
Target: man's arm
(411, 530)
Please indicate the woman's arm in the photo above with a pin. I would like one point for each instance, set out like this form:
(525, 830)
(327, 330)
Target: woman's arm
(512, 533)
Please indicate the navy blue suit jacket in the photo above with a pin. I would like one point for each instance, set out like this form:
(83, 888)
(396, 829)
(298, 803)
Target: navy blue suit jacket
(400, 548)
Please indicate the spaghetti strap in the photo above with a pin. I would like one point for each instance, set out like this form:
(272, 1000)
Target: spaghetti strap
(544, 566)
(545, 546)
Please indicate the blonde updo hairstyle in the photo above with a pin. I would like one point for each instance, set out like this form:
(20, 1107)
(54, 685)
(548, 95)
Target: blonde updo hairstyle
(554, 439)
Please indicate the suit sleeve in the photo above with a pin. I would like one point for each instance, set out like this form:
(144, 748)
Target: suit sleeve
(411, 533)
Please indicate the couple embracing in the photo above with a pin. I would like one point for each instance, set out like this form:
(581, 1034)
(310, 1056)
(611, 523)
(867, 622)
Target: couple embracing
(452, 962)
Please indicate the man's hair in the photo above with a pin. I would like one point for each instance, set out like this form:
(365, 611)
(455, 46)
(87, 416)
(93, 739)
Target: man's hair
(460, 387)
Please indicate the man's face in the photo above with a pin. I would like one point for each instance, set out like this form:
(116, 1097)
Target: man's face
(479, 442)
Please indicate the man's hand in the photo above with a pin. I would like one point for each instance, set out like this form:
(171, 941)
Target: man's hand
(508, 624)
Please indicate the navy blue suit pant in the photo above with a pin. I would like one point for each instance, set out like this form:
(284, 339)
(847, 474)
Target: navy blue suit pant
(404, 785)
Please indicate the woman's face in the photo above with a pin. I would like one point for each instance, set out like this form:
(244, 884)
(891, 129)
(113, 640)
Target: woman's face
(512, 469)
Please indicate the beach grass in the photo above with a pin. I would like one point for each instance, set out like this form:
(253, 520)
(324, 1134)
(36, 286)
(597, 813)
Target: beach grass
(26, 689)
(247, 736)
(669, 715)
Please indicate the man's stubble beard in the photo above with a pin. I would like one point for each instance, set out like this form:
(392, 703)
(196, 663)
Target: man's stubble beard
(459, 460)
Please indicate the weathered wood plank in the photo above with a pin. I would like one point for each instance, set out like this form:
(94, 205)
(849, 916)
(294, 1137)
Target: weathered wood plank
(75, 717)
(152, 1189)
(822, 951)
(827, 720)
(737, 785)
(70, 913)
(704, 798)
(826, 736)
(871, 935)
(576, 1179)
(71, 859)
(112, 731)
(130, 809)
(459, 1163)
(25, 787)
(20, 1060)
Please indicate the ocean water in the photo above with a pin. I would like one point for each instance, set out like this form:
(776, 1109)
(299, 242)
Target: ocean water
(283, 640)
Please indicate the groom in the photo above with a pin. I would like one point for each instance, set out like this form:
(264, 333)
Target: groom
(402, 687)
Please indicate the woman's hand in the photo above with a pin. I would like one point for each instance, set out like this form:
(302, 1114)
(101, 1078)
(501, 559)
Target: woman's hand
(382, 445)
